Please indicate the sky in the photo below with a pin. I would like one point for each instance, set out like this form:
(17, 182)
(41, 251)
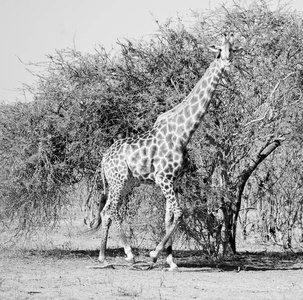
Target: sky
(32, 29)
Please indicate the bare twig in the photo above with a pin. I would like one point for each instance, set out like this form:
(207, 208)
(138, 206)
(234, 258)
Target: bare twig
(176, 89)
(267, 104)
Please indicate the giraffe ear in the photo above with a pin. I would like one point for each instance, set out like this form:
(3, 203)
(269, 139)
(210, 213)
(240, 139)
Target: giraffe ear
(214, 48)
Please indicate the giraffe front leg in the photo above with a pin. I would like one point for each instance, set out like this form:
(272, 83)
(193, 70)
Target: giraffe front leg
(169, 258)
(172, 216)
(169, 217)
(166, 239)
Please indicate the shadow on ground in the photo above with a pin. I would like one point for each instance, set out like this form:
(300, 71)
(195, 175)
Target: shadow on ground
(197, 260)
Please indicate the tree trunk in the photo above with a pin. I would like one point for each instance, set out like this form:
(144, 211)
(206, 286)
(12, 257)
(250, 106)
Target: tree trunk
(241, 182)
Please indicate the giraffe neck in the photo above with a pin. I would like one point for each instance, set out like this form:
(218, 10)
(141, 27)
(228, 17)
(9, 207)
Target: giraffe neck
(184, 119)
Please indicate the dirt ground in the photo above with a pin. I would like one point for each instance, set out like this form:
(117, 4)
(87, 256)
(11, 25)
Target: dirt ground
(58, 270)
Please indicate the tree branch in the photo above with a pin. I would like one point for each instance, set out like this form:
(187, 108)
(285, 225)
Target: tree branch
(264, 152)
(267, 104)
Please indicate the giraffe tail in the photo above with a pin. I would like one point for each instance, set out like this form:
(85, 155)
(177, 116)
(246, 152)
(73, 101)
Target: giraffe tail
(94, 220)
(102, 199)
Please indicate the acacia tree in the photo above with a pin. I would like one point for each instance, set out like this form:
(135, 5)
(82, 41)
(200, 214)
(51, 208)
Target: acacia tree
(276, 197)
(257, 109)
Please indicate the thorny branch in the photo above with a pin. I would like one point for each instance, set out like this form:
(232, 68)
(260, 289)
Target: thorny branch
(267, 104)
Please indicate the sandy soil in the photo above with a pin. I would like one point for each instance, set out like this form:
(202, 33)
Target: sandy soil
(61, 273)
(64, 275)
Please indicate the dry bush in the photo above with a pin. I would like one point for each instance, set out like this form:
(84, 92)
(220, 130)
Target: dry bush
(83, 102)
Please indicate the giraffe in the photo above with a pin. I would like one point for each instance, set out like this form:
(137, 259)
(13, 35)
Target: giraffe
(159, 156)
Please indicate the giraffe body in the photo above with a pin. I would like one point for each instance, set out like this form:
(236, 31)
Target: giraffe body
(158, 156)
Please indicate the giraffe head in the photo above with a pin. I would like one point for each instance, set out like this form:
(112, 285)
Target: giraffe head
(225, 52)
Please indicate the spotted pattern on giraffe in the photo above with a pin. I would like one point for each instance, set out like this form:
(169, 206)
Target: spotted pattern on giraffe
(159, 156)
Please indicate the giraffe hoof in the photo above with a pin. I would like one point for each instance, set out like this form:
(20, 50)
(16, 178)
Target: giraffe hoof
(130, 260)
(154, 256)
(172, 266)
(171, 269)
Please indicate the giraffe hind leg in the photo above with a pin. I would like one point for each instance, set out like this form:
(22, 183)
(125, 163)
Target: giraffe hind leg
(126, 189)
(105, 225)
(127, 249)
(111, 211)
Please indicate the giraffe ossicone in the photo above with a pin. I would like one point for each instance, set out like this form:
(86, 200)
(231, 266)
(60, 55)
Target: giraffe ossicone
(159, 156)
